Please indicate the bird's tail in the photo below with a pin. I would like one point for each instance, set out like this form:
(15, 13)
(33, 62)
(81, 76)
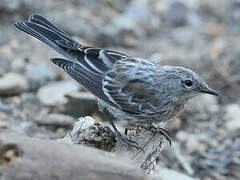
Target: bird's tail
(49, 34)
(87, 65)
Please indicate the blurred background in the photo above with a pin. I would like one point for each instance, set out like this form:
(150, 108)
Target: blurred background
(39, 100)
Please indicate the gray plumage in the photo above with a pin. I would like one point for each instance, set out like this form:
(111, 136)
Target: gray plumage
(136, 90)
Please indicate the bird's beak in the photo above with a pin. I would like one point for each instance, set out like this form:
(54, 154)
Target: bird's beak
(209, 90)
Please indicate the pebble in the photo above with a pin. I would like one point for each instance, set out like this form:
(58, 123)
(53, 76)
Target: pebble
(231, 116)
(19, 65)
(167, 174)
(40, 74)
(13, 83)
(58, 120)
(53, 94)
(79, 104)
(19, 5)
(138, 11)
(5, 64)
(177, 14)
(184, 35)
(132, 20)
(192, 144)
(4, 125)
(5, 108)
(27, 127)
(182, 135)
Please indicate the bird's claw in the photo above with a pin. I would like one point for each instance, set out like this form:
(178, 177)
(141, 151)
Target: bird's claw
(163, 132)
(130, 143)
(134, 144)
(159, 130)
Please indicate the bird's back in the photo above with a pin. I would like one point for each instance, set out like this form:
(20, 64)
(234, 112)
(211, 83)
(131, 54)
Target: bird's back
(136, 87)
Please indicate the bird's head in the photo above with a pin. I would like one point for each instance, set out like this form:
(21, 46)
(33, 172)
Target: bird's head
(185, 84)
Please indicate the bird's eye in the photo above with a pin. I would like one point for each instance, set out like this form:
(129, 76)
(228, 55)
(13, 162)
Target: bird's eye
(188, 83)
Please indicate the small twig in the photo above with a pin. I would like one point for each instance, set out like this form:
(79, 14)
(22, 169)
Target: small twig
(143, 147)
(150, 161)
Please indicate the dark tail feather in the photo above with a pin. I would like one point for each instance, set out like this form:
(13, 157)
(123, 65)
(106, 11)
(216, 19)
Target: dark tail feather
(37, 19)
(87, 65)
(46, 36)
(46, 32)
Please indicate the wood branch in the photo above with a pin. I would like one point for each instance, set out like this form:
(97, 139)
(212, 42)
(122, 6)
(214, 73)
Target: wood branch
(87, 131)
(25, 158)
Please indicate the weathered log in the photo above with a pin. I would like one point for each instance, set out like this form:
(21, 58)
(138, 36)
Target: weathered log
(25, 158)
(88, 132)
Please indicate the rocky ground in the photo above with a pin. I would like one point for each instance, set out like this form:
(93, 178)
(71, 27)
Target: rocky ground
(38, 100)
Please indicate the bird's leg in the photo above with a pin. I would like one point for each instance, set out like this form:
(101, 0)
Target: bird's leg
(159, 130)
(127, 142)
(126, 131)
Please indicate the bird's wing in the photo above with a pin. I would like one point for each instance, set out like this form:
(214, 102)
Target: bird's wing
(89, 70)
(130, 86)
(89, 78)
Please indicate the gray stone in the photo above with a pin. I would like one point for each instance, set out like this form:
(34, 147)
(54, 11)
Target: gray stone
(5, 64)
(11, 5)
(168, 174)
(19, 65)
(40, 74)
(56, 120)
(176, 14)
(184, 35)
(192, 144)
(30, 103)
(19, 5)
(231, 116)
(5, 108)
(139, 11)
(133, 19)
(124, 23)
(218, 9)
(12, 83)
(53, 94)
(79, 104)
(28, 128)
(182, 136)
(130, 25)
(4, 125)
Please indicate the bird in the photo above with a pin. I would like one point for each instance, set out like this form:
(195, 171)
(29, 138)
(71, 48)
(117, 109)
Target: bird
(135, 90)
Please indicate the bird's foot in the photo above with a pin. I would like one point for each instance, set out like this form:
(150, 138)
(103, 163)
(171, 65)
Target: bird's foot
(158, 130)
(128, 142)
